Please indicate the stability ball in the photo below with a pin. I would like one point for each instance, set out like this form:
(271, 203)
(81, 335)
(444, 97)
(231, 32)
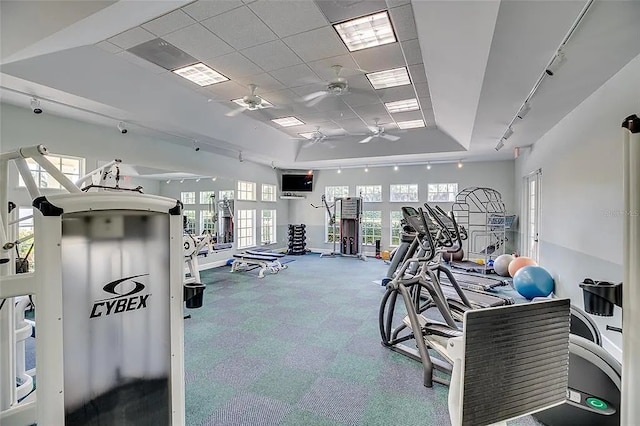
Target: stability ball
(501, 264)
(533, 281)
(448, 257)
(520, 262)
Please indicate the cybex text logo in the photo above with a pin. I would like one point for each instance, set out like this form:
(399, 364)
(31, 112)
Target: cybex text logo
(121, 302)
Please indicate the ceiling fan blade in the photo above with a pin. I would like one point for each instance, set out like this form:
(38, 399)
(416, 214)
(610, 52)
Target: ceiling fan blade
(391, 138)
(235, 112)
(315, 101)
(366, 140)
(314, 95)
(362, 92)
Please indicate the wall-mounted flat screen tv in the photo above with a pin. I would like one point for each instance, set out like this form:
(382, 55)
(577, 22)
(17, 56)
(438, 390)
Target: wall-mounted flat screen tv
(297, 183)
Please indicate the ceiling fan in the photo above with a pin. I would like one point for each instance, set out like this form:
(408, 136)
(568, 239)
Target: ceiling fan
(250, 102)
(337, 86)
(317, 137)
(378, 132)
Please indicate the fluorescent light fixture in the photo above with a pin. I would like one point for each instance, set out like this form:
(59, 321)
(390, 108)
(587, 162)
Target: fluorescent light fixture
(200, 74)
(308, 135)
(287, 121)
(402, 106)
(366, 31)
(524, 110)
(263, 103)
(411, 124)
(389, 78)
(507, 133)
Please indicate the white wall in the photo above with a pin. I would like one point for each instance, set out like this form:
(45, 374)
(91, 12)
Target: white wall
(581, 190)
(19, 127)
(498, 175)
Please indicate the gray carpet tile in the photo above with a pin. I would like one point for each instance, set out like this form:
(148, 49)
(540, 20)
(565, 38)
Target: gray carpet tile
(338, 400)
(249, 409)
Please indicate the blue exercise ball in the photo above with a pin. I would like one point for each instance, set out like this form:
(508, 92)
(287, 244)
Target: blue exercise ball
(533, 281)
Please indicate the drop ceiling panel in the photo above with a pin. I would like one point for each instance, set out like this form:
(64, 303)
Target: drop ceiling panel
(417, 73)
(227, 90)
(169, 23)
(264, 81)
(357, 99)
(163, 54)
(302, 91)
(136, 60)
(372, 110)
(204, 9)
(286, 18)
(198, 42)
(342, 10)
(272, 55)
(361, 82)
(329, 103)
(132, 37)
(380, 58)
(398, 93)
(325, 72)
(306, 44)
(295, 76)
(405, 116)
(397, 3)
(108, 47)
(352, 125)
(404, 23)
(425, 104)
(283, 97)
(240, 28)
(342, 113)
(422, 89)
(313, 117)
(234, 66)
(412, 51)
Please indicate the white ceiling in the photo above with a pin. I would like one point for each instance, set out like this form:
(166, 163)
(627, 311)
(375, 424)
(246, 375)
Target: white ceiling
(471, 63)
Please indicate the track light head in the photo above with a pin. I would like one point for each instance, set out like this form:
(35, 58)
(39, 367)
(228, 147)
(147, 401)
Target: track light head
(500, 145)
(35, 106)
(555, 64)
(122, 128)
(507, 133)
(524, 110)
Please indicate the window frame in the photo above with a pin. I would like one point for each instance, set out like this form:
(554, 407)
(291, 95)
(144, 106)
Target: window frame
(392, 228)
(246, 190)
(364, 228)
(401, 195)
(269, 227)
(37, 172)
(240, 225)
(432, 196)
(365, 196)
(271, 192)
(184, 200)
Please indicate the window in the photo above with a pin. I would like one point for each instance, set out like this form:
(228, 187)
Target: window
(532, 214)
(404, 192)
(207, 197)
(268, 192)
(330, 236)
(25, 228)
(396, 227)
(371, 227)
(228, 194)
(268, 227)
(188, 197)
(71, 167)
(246, 220)
(190, 225)
(333, 192)
(246, 190)
(442, 192)
(207, 221)
(370, 193)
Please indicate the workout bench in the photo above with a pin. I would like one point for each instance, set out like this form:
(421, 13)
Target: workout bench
(248, 261)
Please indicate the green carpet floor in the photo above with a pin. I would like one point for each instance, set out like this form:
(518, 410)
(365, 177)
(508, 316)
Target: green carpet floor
(301, 347)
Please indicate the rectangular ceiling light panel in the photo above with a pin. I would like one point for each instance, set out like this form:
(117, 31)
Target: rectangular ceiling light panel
(411, 124)
(402, 106)
(287, 121)
(389, 78)
(366, 31)
(200, 74)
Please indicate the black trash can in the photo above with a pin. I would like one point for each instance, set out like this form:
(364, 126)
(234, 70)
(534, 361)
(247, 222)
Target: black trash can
(194, 294)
